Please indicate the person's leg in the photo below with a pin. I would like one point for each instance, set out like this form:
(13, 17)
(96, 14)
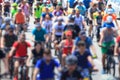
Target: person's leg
(16, 66)
(63, 59)
(90, 28)
(6, 65)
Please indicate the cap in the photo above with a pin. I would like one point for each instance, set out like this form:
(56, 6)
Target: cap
(37, 25)
(110, 11)
(109, 19)
(108, 25)
(59, 4)
(71, 60)
(68, 33)
(83, 33)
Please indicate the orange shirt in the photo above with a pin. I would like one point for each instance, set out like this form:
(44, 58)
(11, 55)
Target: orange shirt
(20, 18)
(114, 17)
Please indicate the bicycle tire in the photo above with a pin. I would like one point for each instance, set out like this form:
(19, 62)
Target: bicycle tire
(24, 75)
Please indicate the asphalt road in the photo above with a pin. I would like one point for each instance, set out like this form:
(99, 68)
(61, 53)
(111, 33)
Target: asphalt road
(95, 75)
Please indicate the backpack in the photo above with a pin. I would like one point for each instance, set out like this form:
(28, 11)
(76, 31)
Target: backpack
(43, 63)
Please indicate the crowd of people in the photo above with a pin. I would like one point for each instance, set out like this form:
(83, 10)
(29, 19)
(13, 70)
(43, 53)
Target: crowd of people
(69, 28)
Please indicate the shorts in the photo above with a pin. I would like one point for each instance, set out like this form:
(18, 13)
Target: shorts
(7, 50)
(106, 45)
(90, 22)
(58, 38)
(2, 54)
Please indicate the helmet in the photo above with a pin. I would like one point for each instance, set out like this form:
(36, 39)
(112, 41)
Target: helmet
(71, 60)
(7, 19)
(71, 17)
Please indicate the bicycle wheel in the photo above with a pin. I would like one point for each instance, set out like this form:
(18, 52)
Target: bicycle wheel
(24, 75)
(113, 66)
(11, 68)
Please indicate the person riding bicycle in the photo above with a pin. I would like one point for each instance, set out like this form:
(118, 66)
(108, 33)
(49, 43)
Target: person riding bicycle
(37, 53)
(72, 26)
(7, 41)
(6, 8)
(19, 50)
(66, 46)
(14, 9)
(81, 8)
(71, 71)
(7, 24)
(57, 29)
(47, 24)
(84, 57)
(44, 68)
(117, 50)
(79, 20)
(89, 45)
(107, 35)
(39, 34)
(26, 9)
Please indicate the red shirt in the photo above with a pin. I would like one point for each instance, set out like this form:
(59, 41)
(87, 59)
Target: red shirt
(21, 49)
(67, 47)
(0, 1)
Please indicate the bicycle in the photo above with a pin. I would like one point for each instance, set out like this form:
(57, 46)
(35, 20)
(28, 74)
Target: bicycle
(110, 61)
(22, 68)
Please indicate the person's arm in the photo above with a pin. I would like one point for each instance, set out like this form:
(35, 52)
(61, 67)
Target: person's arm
(2, 42)
(30, 56)
(101, 37)
(36, 71)
(12, 51)
(91, 61)
(116, 49)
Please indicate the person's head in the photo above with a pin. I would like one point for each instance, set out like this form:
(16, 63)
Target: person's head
(24, 1)
(83, 35)
(80, 3)
(109, 6)
(10, 31)
(57, 8)
(22, 37)
(46, 9)
(14, 5)
(59, 20)
(73, 12)
(99, 12)
(47, 54)
(77, 12)
(38, 45)
(71, 62)
(68, 34)
(7, 20)
(94, 6)
(81, 46)
(47, 17)
(19, 9)
(71, 19)
(38, 26)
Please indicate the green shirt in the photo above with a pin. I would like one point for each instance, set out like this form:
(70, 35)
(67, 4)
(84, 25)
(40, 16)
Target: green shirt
(14, 11)
(38, 11)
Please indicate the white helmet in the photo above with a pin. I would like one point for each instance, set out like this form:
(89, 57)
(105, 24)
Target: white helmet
(109, 19)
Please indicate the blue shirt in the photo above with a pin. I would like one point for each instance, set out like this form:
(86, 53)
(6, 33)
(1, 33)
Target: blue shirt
(44, 14)
(39, 35)
(88, 41)
(47, 70)
(83, 59)
(111, 24)
(87, 3)
(3, 26)
(71, 2)
(82, 9)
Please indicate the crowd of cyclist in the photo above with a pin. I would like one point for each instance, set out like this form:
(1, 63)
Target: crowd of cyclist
(69, 29)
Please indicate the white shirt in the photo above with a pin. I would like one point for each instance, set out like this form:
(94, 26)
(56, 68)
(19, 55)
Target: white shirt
(59, 28)
(47, 25)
